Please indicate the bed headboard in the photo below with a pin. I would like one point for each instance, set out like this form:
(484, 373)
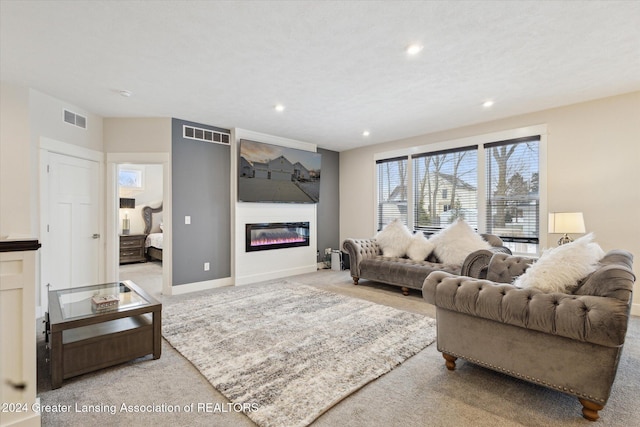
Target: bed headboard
(147, 216)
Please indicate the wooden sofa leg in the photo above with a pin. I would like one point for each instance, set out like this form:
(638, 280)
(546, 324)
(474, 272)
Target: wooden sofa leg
(405, 291)
(590, 409)
(355, 280)
(450, 361)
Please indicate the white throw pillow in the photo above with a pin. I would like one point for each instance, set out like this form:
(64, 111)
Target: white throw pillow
(559, 269)
(456, 242)
(394, 239)
(420, 247)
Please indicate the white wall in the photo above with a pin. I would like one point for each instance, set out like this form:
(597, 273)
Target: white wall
(257, 266)
(16, 178)
(46, 120)
(250, 267)
(592, 166)
(137, 135)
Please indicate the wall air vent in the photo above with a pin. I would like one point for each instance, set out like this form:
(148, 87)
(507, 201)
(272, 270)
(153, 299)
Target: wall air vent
(74, 119)
(207, 135)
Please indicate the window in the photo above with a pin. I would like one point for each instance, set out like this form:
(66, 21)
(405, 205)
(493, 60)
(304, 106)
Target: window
(491, 181)
(131, 178)
(392, 190)
(513, 191)
(451, 174)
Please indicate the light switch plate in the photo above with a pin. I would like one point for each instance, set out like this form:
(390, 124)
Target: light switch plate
(187, 219)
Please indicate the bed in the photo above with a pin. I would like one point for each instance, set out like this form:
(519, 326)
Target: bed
(153, 229)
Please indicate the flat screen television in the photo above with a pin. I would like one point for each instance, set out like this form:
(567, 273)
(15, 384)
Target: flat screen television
(273, 174)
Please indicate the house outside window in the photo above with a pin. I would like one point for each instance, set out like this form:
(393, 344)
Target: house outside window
(453, 175)
(495, 184)
(392, 191)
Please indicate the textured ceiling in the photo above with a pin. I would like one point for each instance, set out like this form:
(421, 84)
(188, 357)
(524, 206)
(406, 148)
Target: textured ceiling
(338, 67)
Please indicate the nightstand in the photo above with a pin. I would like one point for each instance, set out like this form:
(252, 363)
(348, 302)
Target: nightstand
(132, 248)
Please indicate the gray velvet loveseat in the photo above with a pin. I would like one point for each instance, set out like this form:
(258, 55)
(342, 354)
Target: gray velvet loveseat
(570, 342)
(368, 262)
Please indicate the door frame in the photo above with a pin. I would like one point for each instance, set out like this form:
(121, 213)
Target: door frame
(50, 145)
(112, 207)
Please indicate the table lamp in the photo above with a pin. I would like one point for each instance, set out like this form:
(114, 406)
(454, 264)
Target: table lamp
(565, 223)
(126, 204)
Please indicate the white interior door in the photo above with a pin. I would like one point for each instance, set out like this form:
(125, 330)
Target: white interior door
(71, 249)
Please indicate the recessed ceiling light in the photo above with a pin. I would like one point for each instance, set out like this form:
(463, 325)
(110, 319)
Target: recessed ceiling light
(366, 133)
(279, 107)
(125, 93)
(414, 49)
(487, 104)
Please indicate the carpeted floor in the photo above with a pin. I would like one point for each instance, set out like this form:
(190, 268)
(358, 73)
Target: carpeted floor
(419, 392)
(288, 352)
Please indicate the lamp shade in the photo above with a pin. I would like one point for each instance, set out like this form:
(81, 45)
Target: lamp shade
(127, 203)
(566, 222)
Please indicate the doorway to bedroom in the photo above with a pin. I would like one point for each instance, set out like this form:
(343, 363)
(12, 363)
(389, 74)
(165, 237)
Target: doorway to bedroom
(140, 225)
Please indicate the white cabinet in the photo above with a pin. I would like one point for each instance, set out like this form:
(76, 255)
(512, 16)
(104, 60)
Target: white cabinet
(18, 381)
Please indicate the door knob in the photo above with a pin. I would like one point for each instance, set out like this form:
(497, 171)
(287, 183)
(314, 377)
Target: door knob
(96, 236)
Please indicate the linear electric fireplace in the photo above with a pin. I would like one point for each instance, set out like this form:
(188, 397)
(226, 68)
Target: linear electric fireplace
(276, 235)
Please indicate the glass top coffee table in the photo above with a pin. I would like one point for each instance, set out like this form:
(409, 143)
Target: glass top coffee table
(92, 327)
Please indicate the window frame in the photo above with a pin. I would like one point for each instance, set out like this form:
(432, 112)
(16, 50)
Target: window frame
(492, 200)
(408, 173)
(430, 228)
(479, 141)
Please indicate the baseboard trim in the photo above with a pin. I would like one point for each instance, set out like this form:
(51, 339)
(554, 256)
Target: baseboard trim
(254, 278)
(200, 286)
(29, 419)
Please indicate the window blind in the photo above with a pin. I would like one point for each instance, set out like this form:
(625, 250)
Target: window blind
(445, 188)
(392, 190)
(513, 192)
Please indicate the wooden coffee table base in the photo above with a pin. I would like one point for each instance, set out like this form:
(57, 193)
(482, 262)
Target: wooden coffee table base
(96, 342)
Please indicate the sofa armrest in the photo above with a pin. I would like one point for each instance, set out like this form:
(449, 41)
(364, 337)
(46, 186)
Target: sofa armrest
(358, 250)
(477, 262)
(587, 318)
(504, 268)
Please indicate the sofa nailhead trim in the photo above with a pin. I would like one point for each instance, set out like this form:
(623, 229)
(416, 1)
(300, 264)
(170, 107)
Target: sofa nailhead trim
(526, 377)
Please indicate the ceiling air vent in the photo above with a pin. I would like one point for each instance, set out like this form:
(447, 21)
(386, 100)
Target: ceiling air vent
(207, 135)
(74, 119)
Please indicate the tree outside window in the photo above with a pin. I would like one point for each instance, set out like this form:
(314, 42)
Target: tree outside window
(513, 190)
(444, 187)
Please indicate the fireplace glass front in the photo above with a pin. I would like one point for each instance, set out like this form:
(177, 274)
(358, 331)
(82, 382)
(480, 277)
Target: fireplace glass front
(276, 235)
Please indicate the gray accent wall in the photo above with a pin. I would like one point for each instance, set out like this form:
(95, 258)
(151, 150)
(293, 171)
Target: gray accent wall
(329, 206)
(200, 189)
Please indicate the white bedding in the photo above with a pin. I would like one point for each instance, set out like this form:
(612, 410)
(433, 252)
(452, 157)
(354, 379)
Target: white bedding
(155, 240)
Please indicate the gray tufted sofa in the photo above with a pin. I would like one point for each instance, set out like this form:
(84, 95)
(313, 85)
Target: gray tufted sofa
(567, 342)
(367, 262)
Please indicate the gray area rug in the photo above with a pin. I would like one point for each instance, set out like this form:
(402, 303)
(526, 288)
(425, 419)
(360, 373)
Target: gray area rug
(289, 352)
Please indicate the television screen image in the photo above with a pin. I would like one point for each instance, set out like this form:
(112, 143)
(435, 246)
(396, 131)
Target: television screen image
(273, 174)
